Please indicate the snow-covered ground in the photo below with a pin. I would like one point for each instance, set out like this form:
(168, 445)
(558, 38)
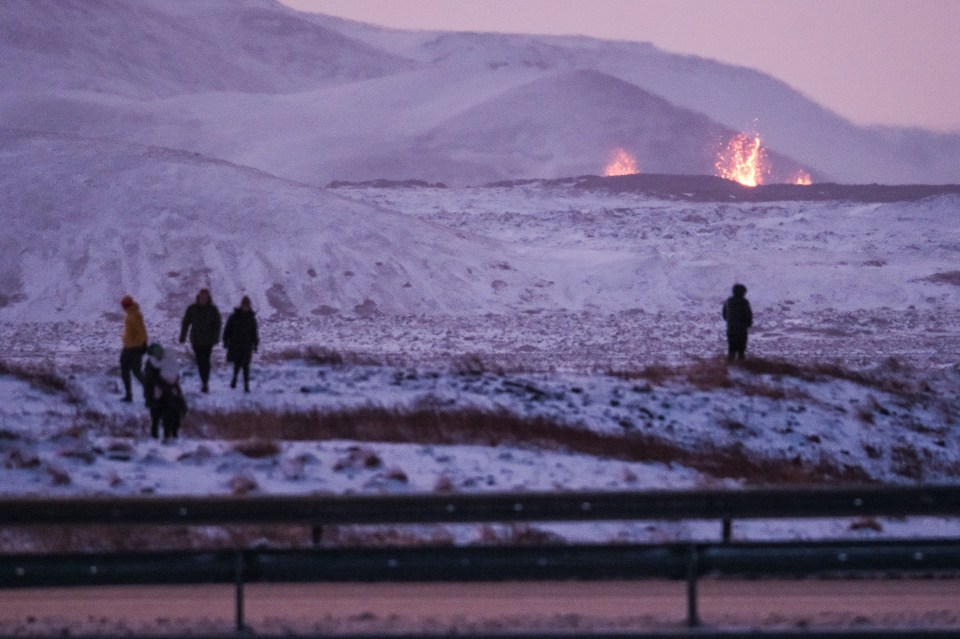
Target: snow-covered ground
(610, 378)
(539, 336)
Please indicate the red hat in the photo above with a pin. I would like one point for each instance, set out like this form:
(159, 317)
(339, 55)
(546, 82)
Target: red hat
(126, 302)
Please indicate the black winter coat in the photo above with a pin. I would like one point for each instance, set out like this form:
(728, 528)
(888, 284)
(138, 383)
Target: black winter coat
(739, 316)
(240, 336)
(203, 322)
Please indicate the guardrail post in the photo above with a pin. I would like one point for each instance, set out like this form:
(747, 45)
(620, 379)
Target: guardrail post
(238, 583)
(727, 529)
(316, 534)
(693, 617)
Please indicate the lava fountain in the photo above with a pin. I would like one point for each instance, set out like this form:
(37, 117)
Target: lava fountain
(802, 178)
(743, 160)
(621, 163)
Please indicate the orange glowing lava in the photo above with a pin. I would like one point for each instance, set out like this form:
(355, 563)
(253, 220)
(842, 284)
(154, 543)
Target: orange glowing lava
(743, 160)
(621, 163)
(802, 178)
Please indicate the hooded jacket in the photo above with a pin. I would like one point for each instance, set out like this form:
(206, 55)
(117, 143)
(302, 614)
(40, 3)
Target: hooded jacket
(737, 311)
(134, 330)
(240, 335)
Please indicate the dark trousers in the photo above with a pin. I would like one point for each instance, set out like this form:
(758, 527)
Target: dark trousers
(737, 344)
(170, 417)
(241, 363)
(131, 362)
(202, 354)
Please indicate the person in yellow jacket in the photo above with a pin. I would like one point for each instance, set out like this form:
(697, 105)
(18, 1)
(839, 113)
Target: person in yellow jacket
(134, 345)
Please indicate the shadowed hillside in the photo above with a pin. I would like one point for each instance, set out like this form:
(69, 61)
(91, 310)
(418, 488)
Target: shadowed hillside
(317, 99)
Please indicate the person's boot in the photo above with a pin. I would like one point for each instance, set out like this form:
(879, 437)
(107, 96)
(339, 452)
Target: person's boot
(205, 388)
(127, 398)
(233, 382)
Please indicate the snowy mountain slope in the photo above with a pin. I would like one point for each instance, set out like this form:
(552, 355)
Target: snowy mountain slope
(736, 97)
(505, 124)
(146, 49)
(317, 99)
(88, 221)
(581, 116)
(747, 100)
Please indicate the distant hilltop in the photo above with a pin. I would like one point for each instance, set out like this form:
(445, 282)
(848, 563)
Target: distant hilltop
(318, 99)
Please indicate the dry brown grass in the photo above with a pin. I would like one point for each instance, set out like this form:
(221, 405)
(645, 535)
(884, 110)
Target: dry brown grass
(42, 377)
(831, 371)
(322, 356)
(476, 427)
(392, 536)
(709, 375)
(921, 464)
(257, 448)
(715, 374)
(517, 535)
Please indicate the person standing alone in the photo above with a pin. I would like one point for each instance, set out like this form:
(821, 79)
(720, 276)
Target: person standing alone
(134, 345)
(739, 316)
(241, 339)
(202, 321)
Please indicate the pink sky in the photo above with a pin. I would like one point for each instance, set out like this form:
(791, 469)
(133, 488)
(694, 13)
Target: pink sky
(871, 61)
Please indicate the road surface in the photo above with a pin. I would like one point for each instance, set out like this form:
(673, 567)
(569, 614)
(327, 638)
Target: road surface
(486, 607)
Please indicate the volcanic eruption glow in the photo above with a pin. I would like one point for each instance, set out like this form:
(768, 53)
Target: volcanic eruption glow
(621, 163)
(802, 178)
(743, 160)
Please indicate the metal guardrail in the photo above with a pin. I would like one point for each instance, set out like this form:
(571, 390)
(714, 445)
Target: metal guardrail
(586, 562)
(698, 633)
(728, 505)
(679, 561)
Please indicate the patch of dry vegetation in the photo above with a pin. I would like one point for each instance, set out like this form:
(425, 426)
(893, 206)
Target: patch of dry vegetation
(476, 427)
(322, 356)
(42, 377)
(716, 374)
(945, 277)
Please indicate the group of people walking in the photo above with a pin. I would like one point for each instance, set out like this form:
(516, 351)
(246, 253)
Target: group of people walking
(160, 376)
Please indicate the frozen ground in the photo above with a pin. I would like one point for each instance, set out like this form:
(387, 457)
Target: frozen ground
(525, 337)
(562, 340)
(614, 365)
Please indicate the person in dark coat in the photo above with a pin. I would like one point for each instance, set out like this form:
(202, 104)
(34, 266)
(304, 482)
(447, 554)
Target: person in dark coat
(202, 321)
(241, 339)
(739, 316)
(161, 389)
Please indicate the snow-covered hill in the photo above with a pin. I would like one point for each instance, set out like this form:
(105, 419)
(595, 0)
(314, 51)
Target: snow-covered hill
(148, 49)
(317, 99)
(736, 97)
(582, 116)
(87, 221)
